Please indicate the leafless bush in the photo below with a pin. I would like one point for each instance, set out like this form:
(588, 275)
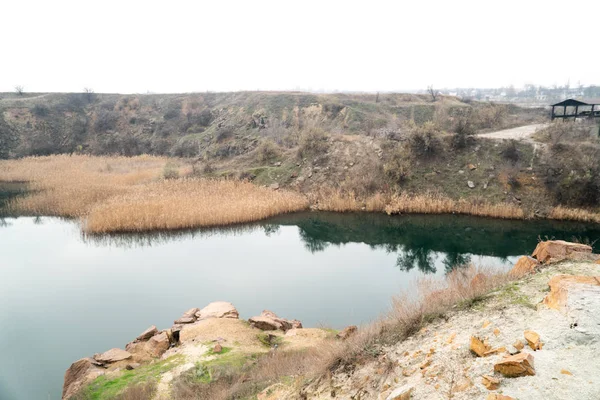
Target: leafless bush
(424, 142)
(267, 151)
(20, 90)
(397, 169)
(510, 151)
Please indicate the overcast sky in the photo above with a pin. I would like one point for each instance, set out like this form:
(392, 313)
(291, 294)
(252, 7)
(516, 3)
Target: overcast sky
(131, 46)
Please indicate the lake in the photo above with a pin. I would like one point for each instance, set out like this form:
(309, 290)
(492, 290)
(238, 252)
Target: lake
(64, 295)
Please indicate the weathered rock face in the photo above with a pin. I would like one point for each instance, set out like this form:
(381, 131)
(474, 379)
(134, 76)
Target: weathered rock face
(347, 332)
(112, 355)
(79, 374)
(147, 334)
(560, 286)
(269, 321)
(518, 365)
(218, 309)
(557, 250)
(524, 266)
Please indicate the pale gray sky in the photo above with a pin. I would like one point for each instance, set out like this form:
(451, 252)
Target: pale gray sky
(133, 46)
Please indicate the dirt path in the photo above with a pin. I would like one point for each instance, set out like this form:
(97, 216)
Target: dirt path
(520, 133)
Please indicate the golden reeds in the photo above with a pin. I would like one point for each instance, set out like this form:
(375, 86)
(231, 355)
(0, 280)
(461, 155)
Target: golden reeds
(573, 214)
(116, 194)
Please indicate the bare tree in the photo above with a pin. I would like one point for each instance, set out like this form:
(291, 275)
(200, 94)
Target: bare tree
(377, 98)
(89, 94)
(19, 89)
(432, 92)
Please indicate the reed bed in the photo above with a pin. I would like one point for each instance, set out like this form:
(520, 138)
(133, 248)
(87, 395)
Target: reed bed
(336, 200)
(119, 194)
(573, 214)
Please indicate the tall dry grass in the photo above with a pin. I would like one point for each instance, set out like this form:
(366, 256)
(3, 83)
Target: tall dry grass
(340, 201)
(574, 214)
(118, 194)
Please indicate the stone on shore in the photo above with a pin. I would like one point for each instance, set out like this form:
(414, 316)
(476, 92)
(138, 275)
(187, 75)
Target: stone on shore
(112, 355)
(269, 321)
(558, 250)
(157, 345)
(525, 265)
(78, 375)
(218, 309)
(147, 334)
(518, 365)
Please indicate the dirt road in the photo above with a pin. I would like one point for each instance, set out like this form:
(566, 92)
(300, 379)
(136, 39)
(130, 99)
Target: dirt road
(520, 133)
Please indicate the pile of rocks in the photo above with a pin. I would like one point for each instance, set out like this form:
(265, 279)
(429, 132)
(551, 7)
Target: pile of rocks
(269, 321)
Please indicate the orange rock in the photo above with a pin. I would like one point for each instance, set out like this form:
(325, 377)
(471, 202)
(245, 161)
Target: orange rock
(597, 261)
(524, 266)
(451, 338)
(486, 324)
(471, 167)
(533, 340)
(463, 384)
(495, 351)
(518, 345)
(518, 365)
(478, 347)
(496, 331)
(557, 250)
(490, 382)
(565, 372)
(559, 289)
(496, 396)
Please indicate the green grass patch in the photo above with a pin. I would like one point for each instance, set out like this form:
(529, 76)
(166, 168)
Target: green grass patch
(512, 294)
(269, 341)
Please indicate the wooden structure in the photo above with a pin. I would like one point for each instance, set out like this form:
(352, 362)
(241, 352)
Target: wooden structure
(585, 108)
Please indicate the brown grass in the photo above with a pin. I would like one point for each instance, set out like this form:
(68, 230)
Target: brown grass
(574, 214)
(336, 200)
(409, 313)
(116, 194)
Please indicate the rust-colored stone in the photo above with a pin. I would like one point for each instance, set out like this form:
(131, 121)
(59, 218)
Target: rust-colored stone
(533, 340)
(478, 347)
(557, 250)
(518, 365)
(524, 266)
(518, 345)
(490, 382)
(559, 289)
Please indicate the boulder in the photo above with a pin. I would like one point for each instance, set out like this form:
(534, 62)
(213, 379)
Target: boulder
(191, 313)
(347, 332)
(157, 345)
(269, 321)
(560, 286)
(401, 393)
(533, 340)
(112, 355)
(557, 250)
(490, 382)
(478, 347)
(525, 265)
(218, 309)
(518, 365)
(147, 334)
(218, 348)
(184, 320)
(78, 375)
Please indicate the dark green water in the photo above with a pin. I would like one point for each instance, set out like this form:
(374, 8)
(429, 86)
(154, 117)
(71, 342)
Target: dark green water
(64, 296)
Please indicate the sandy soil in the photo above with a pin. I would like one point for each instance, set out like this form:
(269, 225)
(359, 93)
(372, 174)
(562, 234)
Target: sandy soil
(520, 133)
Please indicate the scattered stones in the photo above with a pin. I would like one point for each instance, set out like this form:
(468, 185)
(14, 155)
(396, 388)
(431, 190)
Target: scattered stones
(401, 393)
(490, 382)
(533, 340)
(524, 266)
(518, 365)
(461, 172)
(560, 286)
(451, 338)
(112, 355)
(478, 347)
(497, 350)
(269, 321)
(557, 250)
(486, 323)
(471, 184)
(347, 332)
(218, 348)
(218, 309)
(147, 334)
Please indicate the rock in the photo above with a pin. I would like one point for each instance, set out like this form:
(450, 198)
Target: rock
(191, 313)
(518, 345)
(78, 375)
(496, 396)
(518, 365)
(471, 167)
(296, 324)
(565, 372)
(347, 332)
(497, 350)
(112, 355)
(401, 393)
(560, 286)
(496, 332)
(184, 320)
(278, 164)
(533, 340)
(218, 309)
(471, 184)
(132, 366)
(461, 172)
(158, 344)
(557, 250)
(274, 186)
(218, 348)
(147, 334)
(478, 347)
(486, 323)
(524, 266)
(490, 382)
(269, 321)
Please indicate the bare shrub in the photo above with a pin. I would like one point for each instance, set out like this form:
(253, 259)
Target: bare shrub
(140, 391)
(424, 142)
(267, 151)
(510, 151)
(224, 133)
(397, 169)
(20, 90)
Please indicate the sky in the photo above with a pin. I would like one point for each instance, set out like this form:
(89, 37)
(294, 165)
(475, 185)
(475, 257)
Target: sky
(131, 46)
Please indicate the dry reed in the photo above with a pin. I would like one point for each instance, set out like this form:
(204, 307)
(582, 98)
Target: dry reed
(573, 214)
(117, 194)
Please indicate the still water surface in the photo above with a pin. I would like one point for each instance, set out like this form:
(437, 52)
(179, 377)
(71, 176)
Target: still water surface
(64, 296)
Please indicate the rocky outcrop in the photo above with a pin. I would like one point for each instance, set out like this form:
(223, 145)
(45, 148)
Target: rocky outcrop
(558, 250)
(561, 285)
(524, 266)
(112, 355)
(79, 374)
(269, 321)
(218, 309)
(147, 334)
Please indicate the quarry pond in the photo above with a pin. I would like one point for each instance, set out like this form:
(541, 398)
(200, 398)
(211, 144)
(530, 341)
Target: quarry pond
(64, 295)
